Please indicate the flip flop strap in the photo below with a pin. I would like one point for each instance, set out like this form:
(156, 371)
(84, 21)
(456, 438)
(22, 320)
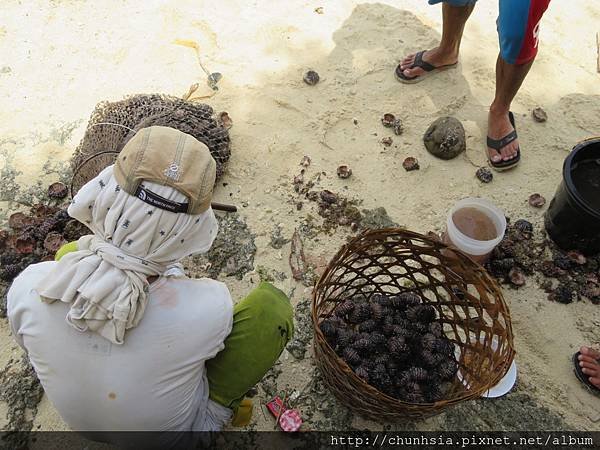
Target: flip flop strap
(422, 64)
(498, 144)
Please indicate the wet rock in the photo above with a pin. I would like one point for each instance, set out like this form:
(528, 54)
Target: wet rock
(388, 120)
(311, 78)
(277, 239)
(335, 209)
(410, 163)
(539, 115)
(445, 138)
(22, 392)
(562, 294)
(344, 171)
(484, 175)
(3, 291)
(387, 141)
(303, 331)
(536, 200)
(516, 411)
(57, 190)
(377, 218)
(269, 381)
(321, 410)
(232, 253)
(566, 277)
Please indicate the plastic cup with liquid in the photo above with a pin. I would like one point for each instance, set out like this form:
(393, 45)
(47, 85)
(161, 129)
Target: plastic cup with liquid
(475, 226)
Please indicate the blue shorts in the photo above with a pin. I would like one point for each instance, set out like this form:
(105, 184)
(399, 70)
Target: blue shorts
(518, 27)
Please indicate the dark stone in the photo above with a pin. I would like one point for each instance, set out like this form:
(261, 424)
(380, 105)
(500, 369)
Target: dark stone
(445, 138)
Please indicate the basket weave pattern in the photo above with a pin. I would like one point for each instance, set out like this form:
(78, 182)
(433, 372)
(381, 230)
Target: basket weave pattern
(113, 124)
(468, 302)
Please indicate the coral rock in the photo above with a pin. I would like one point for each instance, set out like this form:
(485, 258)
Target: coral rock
(516, 276)
(344, 171)
(484, 175)
(410, 163)
(539, 115)
(388, 120)
(445, 138)
(536, 200)
(57, 190)
(311, 78)
(525, 227)
(19, 220)
(53, 242)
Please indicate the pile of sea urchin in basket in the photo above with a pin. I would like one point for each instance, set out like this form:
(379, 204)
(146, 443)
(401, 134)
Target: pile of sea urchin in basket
(395, 343)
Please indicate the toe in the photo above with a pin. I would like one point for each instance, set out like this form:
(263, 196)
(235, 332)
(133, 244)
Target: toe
(510, 151)
(494, 155)
(595, 381)
(412, 73)
(408, 61)
(591, 372)
(588, 359)
(590, 366)
(587, 351)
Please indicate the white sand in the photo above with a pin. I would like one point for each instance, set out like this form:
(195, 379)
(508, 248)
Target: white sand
(60, 58)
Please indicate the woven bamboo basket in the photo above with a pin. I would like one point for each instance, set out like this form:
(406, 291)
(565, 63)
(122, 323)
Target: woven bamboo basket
(468, 302)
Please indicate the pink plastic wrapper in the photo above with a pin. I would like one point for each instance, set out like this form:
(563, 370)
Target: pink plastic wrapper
(289, 419)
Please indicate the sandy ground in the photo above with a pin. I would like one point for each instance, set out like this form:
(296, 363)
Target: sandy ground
(59, 58)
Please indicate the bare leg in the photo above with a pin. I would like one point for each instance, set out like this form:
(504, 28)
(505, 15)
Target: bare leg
(454, 20)
(588, 360)
(509, 78)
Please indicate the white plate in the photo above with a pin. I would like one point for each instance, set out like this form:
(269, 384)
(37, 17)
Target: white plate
(503, 386)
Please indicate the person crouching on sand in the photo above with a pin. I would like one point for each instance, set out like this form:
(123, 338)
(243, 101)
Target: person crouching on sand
(119, 337)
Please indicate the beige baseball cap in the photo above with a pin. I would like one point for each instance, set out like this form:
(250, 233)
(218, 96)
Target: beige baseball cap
(172, 158)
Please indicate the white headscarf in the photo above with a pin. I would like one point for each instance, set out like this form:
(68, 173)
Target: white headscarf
(105, 281)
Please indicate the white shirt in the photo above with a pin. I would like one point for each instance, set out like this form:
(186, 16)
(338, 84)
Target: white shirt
(155, 381)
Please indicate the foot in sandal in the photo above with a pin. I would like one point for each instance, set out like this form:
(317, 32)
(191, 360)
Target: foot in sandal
(417, 66)
(587, 368)
(502, 143)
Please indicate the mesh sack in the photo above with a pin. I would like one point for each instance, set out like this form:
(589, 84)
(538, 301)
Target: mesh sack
(112, 124)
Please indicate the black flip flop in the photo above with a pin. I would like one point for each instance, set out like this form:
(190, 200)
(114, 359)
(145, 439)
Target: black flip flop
(499, 144)
(418, 62)
(582, 376)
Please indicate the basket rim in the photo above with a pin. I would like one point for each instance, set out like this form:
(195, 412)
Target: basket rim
(321, 341)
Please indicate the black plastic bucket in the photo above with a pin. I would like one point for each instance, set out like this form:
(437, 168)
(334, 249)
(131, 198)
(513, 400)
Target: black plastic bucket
(573, 216)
